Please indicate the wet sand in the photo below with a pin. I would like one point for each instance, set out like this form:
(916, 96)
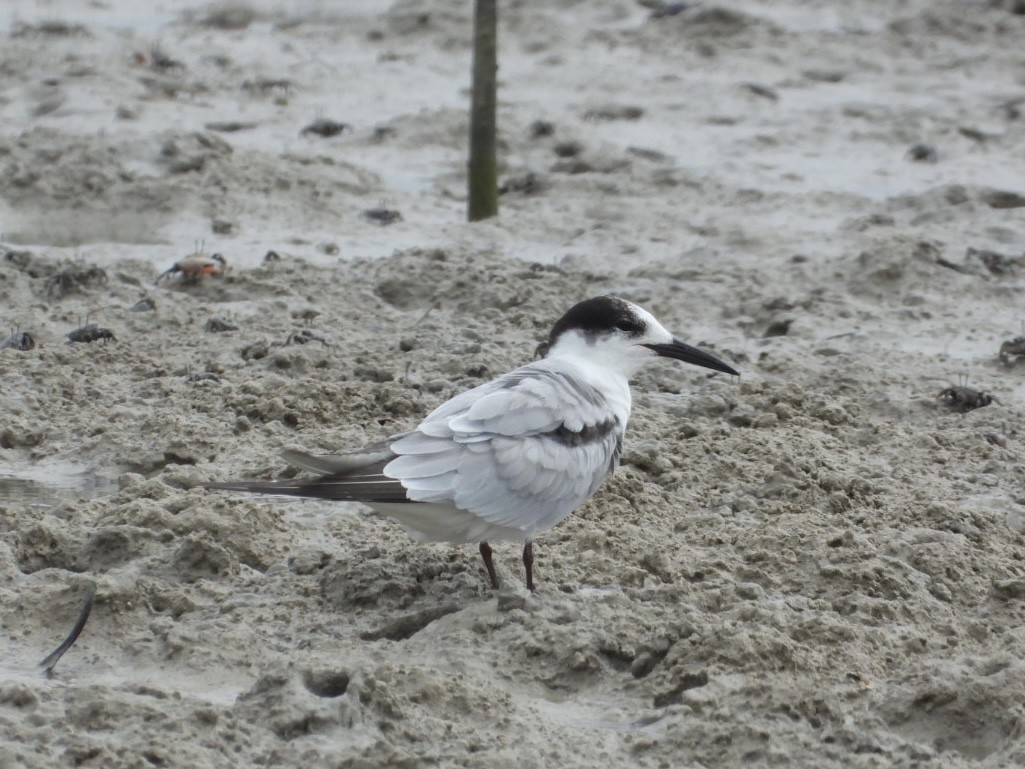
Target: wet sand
(817, 565)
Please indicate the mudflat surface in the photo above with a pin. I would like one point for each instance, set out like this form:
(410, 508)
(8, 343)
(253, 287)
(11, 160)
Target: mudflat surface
(818, 565)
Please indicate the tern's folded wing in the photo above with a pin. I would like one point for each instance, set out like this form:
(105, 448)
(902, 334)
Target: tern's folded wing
(523, 451)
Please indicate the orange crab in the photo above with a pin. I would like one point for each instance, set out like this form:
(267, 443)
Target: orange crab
(197, 266)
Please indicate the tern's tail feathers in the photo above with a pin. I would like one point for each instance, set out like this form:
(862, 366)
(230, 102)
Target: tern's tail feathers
(354, 477)
(367, 489)
(292, 488)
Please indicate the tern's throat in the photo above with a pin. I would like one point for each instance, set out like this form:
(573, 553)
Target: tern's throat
(611, 388)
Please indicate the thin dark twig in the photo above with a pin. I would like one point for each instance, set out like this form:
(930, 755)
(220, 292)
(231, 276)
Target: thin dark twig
(51, 660)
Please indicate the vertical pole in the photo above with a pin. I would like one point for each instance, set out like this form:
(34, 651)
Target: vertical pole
(482, 181)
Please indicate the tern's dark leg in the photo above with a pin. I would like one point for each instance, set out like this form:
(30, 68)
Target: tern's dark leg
(485, 553)
(528, 564)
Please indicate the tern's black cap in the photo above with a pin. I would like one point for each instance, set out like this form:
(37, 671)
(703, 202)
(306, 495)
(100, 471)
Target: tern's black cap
(596, 316)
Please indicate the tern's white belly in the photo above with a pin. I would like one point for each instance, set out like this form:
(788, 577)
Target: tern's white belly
(443, 523)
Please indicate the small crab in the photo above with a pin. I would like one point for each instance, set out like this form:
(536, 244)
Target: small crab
(196, 266)
(325, 128)
(996, 439)
(75, 277)
(922, 153)
(205, 376)
(382, 216)
(91, 333)
(963, 399)
(217, 325)
(303, 336)
(1011, 350)
(18, 340)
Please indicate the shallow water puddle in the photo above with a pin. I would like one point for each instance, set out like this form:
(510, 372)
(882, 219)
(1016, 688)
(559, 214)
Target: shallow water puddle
(46, 483)
(194, 687)
(197, 688)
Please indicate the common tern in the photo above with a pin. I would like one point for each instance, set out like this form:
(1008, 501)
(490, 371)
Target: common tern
(511, 458)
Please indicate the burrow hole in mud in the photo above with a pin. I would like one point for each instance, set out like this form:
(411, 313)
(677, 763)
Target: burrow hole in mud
(326, 684)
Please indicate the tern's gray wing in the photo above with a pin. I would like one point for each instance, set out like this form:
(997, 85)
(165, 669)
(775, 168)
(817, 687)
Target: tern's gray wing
(521, 452)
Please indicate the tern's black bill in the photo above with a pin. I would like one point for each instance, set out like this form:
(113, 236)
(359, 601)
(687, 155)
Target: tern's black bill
(680, 351)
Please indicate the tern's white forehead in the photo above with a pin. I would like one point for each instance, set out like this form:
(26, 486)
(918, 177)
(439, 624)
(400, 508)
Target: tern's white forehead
(653, 328)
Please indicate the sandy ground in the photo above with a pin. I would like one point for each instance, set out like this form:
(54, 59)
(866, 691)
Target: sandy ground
(818, 565)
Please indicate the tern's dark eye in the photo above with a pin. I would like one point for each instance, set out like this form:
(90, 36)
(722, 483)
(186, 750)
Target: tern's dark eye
(628, 326)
